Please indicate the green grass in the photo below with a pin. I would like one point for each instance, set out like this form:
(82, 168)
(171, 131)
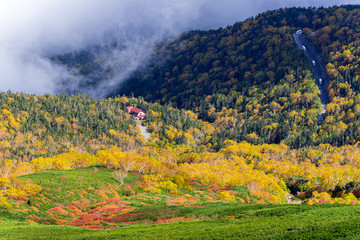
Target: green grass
(65, 187)
(254, 222)
(208, 220)
(59, 183)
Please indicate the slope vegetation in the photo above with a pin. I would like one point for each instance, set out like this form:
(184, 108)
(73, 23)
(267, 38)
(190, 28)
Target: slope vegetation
(176, 176)
(253, 73)
(254, 68)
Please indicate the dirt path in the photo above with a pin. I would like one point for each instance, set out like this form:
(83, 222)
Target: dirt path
(289, 199)
(144, 131)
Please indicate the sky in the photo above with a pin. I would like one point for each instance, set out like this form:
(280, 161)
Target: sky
(31, 31)
(226, 12)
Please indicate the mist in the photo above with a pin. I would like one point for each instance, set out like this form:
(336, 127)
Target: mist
(33, 31)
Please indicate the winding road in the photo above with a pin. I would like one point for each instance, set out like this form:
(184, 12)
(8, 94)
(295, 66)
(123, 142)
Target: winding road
(319, 70)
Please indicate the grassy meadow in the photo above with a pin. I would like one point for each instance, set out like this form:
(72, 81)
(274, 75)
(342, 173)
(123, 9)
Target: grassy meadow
(90, 204)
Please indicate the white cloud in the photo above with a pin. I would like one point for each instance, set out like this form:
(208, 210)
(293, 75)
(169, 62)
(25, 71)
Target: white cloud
(33, 30)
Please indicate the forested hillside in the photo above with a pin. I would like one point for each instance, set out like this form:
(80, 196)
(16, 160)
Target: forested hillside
(252, 73)
(233, 121)
(182, 154)
(250, 79)
(33, 126)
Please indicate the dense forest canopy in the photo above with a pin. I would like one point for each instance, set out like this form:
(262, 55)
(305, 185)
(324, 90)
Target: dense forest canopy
(251, 76)
(253, 73)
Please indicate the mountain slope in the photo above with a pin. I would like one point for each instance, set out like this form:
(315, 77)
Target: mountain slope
(254, 67)
(251, 82)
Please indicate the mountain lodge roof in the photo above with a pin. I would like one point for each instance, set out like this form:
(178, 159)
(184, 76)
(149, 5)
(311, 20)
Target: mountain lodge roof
(141, 116)
(133, 110)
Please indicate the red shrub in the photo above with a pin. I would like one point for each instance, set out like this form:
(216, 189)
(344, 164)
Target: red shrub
(95, 227)
(58, 210)
(75, 210)
(118, 218)
(59, 205)
(357, 193)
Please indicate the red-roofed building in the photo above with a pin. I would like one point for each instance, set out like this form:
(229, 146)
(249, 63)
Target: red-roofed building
(136, 112)
(141, 116)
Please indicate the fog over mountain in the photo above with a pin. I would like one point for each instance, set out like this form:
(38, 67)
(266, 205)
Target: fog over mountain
(33, 31)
